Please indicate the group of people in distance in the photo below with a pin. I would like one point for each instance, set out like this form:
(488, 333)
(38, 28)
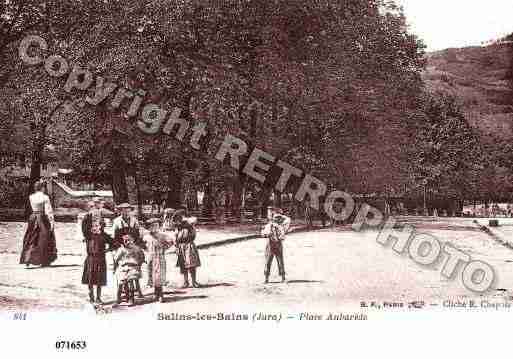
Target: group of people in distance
(130, 250)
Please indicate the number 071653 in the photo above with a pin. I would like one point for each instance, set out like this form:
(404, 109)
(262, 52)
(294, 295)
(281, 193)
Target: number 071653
(70, 345)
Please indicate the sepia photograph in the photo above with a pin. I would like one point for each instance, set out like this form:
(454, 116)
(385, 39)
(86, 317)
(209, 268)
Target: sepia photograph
(268, 162)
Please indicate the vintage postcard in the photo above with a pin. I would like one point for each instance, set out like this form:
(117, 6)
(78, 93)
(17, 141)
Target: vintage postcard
(200, 168)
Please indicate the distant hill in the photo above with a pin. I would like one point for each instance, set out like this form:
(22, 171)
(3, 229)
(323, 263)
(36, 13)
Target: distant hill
(477, 76)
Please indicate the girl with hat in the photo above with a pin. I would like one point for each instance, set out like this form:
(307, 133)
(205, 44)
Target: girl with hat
(187, 253)
(157, 244)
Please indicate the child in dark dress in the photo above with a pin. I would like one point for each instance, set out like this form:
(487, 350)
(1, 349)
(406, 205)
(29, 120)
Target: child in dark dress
(95, 265)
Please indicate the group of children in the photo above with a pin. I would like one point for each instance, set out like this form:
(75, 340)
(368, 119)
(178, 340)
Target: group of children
(129, 252)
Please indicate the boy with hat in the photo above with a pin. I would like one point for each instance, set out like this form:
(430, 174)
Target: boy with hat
(126, 222)
(275, 230)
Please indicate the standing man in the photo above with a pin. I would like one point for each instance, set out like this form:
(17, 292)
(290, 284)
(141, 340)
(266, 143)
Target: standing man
(127, 224)
(96, 214)
(275, 230)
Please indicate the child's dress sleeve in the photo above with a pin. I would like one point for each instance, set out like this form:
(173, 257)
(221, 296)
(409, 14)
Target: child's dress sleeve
(116, 257)
(149, 245)
(266, 231)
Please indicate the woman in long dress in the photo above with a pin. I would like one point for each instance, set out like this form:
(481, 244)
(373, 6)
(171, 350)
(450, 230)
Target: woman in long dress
(39, 247)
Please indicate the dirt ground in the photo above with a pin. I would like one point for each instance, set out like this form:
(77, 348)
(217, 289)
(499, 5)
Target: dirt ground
(326, 269)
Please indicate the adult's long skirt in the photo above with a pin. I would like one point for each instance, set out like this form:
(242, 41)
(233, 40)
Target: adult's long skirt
(39, 247)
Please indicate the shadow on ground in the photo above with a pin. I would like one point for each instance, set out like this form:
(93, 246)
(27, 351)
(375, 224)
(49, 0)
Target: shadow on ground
(294, 281)
(150, 299)
(56, 266)
(213, 285)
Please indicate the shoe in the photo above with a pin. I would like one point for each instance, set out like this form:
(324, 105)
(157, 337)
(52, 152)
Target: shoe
(195, 284)
(283, 278)
(185, 285)
(99, 301)
(266, 280)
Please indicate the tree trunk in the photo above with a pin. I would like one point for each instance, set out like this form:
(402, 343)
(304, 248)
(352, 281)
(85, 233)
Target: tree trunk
(277, 198)
(174, 183)
(35, 173)
(138, 190)
(208, 207)
(237, 198)
(37, 155)
(265, 201)
(118, 173)
(207, 210)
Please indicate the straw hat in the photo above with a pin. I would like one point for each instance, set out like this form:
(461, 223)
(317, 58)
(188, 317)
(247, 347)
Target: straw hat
(125, 205)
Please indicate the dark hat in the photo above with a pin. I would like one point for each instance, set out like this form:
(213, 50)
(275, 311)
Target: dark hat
(125, 205)
(39, 185)
(278, 219)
